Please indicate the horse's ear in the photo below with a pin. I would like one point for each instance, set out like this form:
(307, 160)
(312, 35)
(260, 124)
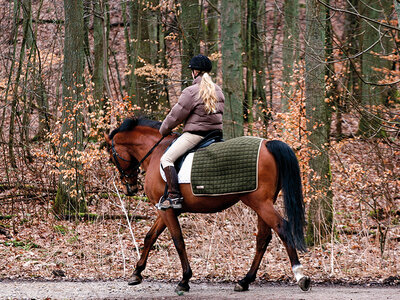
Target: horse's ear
(107, 138)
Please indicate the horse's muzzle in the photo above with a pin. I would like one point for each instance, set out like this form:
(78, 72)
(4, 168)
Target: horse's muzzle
(131, 190)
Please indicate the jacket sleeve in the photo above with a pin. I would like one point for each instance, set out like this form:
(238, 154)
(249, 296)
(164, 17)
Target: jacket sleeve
(178, 113)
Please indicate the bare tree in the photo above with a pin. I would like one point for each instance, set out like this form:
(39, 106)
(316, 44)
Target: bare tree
(232, 68)
(70, 193)
(318, 124)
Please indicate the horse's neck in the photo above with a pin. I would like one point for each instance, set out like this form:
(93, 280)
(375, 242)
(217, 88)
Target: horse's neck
(144, 142)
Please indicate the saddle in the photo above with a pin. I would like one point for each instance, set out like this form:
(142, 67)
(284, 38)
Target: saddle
(211, 138)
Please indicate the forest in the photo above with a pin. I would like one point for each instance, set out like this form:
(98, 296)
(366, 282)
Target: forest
(323, 76)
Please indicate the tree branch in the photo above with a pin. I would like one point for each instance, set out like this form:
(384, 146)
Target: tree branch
(214, 7)
(358, 15)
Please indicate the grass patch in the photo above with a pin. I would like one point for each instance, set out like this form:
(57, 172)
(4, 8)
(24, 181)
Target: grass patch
(60, 229)
(26, 245)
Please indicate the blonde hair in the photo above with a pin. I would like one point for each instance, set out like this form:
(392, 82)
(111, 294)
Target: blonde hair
(208, 94)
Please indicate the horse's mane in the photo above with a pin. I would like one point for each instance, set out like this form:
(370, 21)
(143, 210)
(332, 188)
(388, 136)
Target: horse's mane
(130, 123)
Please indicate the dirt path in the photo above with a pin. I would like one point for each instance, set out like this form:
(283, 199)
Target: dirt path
(161, 290)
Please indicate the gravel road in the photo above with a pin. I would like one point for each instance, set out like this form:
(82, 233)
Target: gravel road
(161, 290)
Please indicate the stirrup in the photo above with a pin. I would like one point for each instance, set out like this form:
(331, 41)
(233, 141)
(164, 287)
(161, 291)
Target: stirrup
(169, 202)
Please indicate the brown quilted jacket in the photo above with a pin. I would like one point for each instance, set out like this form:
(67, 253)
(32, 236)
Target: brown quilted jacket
(190, 110)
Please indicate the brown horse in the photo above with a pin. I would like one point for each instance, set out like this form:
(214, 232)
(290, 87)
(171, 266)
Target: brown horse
(138, 142)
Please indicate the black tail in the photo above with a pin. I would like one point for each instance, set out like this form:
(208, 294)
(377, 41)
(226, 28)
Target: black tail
(289, 172)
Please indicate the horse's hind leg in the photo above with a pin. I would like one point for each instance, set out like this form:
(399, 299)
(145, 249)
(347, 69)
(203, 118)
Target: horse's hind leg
(274, 220)
(264, 236)
(151, 237)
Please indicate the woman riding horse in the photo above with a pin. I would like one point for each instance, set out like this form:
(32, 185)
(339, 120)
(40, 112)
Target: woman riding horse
(138, 143)
(200, 107)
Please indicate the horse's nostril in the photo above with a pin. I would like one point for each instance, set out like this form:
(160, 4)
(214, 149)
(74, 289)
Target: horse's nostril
(131, 191)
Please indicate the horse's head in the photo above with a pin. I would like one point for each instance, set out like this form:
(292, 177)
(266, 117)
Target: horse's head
(122, 142)
(127, 165)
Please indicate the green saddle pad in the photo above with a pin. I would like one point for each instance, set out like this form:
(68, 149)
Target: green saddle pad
(226, 168)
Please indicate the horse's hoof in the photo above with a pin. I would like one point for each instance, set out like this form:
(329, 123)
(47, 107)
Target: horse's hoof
(182, 288)
(136, 279)
(305, 283)
(241, 288)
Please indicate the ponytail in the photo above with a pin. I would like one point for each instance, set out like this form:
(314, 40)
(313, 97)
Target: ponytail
(207, 94)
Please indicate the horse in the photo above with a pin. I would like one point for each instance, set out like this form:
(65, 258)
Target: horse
(137, 143)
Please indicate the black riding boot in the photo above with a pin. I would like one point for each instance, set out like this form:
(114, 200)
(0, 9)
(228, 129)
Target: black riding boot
(174, 198)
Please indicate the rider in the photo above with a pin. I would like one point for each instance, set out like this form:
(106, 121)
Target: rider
(200, 108)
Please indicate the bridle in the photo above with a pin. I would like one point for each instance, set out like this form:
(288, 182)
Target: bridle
(116, 156)
(133, 165)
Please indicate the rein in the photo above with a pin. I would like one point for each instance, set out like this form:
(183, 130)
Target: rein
(137, 166)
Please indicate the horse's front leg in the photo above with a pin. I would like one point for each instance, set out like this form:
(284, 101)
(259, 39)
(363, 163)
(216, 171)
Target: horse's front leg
(151, 237)
(171, 220)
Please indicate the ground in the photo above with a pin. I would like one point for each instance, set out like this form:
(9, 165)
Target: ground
(164, 290)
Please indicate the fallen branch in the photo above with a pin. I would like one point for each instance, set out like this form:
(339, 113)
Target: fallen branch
(96, 217)
(128, 220)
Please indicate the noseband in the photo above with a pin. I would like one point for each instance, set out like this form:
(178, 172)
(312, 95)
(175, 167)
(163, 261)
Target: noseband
(131, 166)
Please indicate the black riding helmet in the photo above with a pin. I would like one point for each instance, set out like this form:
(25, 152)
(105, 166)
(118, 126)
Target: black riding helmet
(201, 63)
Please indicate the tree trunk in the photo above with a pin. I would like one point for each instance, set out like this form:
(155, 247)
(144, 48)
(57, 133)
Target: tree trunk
(125, 20)
(87, 9)
(269, 65)
(100, 70)
(259, 63)
(27, 21)
(290, 50)
(40, 90)
(375, 43)
(142, 53)
(28, 81)
(152, 29)
(70, 193)
(171, 33)
(190, 21)
(135, 39)
(27, 37)
(232, 68)
(251, 33)
(318, 125)
(211, 31)
(350, 47)
(397, 9)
